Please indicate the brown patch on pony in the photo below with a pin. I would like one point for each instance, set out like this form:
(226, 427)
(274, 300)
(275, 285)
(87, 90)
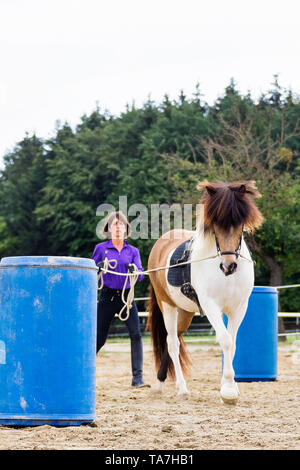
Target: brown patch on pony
(230, 205)
(156, 325)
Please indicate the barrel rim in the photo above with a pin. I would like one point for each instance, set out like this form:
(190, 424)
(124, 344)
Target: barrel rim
(264, 290)
(47, 262)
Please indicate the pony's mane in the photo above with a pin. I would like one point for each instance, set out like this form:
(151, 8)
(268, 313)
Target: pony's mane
(230, 205)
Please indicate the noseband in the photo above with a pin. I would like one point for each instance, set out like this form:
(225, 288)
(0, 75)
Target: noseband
(236, 252)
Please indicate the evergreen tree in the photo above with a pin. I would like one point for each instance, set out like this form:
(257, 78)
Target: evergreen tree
(21, 184)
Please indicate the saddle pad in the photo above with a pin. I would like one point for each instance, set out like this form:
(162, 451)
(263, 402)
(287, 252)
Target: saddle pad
(181, 274)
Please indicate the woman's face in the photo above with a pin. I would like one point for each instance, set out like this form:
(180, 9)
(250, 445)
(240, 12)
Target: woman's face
(117, 229)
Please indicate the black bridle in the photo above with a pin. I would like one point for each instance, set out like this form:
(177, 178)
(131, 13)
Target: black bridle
(236, 252)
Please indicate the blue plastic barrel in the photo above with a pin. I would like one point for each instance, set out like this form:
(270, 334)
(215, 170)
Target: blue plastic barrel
(47, 340)
(257, 339)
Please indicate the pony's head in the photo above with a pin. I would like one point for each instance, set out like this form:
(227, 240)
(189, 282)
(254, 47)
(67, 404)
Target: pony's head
(229, 208)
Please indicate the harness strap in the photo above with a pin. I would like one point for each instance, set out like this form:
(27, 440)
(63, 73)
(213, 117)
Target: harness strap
(187, 288)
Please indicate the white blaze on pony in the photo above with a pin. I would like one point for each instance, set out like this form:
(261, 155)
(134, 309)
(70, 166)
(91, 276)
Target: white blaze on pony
(223, 282)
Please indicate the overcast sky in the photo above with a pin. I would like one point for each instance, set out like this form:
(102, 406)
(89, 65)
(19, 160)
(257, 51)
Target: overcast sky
(60, 57)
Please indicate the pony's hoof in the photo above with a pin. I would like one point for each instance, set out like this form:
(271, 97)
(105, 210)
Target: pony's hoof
(229, 401)
(155, 394)
(183, 395)
(229, 395)
(156, 390)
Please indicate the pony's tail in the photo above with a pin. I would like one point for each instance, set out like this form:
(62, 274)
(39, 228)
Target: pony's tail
(163, 362)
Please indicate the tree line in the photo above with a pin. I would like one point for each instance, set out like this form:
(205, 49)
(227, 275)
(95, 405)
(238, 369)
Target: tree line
(50, 188)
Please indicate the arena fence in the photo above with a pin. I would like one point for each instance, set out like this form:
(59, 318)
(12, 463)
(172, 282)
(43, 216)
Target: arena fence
(295, 315)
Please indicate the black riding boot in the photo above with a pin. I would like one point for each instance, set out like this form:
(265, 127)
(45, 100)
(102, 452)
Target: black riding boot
(137, 361)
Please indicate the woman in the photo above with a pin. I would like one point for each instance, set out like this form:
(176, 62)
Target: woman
(116, 229)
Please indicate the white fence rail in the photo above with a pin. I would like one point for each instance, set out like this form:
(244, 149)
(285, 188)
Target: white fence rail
(280, 314)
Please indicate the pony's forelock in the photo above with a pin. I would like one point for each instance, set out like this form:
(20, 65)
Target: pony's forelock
(230, 205)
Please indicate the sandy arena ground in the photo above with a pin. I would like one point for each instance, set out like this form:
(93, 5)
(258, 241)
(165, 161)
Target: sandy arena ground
(266, 417)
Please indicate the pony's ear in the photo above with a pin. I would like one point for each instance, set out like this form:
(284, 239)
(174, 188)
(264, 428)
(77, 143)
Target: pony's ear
(248, 187)
(211, 191)
(205, 185)
(240, 189)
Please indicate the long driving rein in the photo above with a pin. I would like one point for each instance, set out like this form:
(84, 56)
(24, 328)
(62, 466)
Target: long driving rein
(133, 272)
(220, 253)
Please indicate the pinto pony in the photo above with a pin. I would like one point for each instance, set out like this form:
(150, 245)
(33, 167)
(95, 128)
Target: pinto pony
(221, 274)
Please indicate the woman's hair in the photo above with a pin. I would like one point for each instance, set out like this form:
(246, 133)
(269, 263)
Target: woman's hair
(110, 218)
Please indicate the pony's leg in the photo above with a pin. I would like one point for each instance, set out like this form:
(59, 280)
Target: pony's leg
(170, 318)
(229, 391)
(234, 321)
(163, 371)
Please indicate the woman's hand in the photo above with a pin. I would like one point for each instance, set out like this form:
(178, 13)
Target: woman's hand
(100, 265)
(131, 267)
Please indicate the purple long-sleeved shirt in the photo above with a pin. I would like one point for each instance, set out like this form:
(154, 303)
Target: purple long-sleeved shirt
(128, 254)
